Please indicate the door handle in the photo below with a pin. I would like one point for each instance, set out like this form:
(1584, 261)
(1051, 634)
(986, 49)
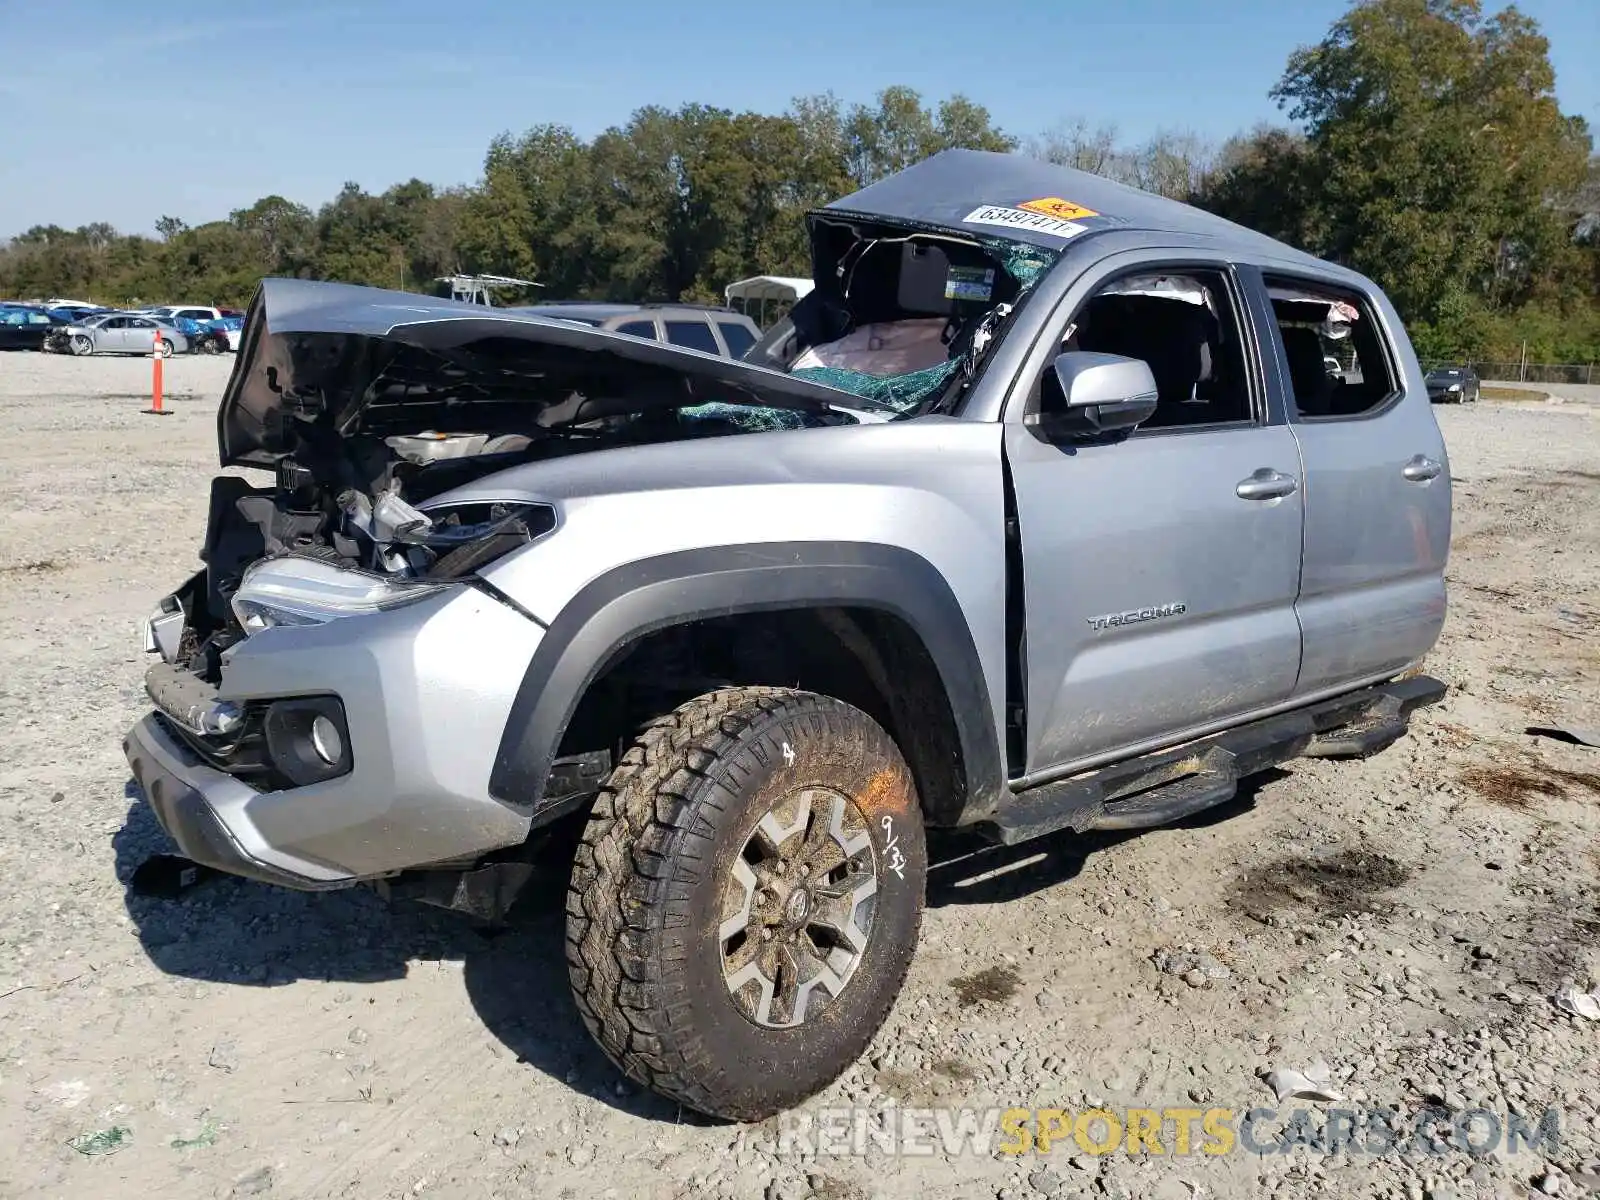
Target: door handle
(1266, 484)
(1421, 469)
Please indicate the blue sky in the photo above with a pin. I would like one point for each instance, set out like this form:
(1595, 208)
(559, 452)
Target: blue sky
(130, 111)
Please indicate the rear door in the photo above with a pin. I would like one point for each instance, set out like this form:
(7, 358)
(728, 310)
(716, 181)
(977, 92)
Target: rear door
(39, 327)
(1159, 572)
(1377, 488)
(140, 335)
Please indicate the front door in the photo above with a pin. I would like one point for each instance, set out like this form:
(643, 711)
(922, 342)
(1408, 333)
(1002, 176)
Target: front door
(1161, 571)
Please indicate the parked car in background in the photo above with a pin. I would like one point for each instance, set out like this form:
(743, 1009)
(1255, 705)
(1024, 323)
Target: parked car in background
(719, 331)
(228, 330)
(1453, 385)
(184, 312)
(23, 327)
(73, 313)
(122, 333)
(202, 338)
(83, 306)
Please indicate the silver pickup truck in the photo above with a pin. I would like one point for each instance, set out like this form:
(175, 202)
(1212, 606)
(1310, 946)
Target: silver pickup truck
(1043, 512)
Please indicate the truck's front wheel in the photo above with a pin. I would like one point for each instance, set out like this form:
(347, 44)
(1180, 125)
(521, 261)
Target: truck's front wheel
(746, 899)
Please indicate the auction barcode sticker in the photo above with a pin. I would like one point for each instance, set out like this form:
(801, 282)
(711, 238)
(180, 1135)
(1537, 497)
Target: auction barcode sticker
(1016, 218)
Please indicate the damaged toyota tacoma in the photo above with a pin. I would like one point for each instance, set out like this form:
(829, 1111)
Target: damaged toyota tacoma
(1041, 512)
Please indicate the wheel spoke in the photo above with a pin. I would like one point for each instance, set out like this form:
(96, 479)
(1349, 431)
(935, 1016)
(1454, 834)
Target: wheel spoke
(803, 972)
(751, 989)
(839, 911)
(782, 823)
(738, 898)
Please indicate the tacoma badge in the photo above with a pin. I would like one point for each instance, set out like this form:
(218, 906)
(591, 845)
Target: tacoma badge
(1134, 615)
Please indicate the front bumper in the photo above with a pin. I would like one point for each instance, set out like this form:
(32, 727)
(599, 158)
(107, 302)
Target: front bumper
(426, 691)
(187, 796)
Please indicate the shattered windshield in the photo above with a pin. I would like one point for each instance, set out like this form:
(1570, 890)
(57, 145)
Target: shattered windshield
(901, 314)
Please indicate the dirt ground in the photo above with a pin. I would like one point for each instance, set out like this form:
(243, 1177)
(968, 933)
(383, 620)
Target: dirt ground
(1407, 919)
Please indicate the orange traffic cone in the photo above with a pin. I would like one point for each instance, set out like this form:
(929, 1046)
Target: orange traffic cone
(155, 408)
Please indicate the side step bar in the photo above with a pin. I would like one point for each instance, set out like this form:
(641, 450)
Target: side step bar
(1168, 785)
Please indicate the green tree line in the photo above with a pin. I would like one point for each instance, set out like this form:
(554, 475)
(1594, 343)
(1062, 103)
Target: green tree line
(1423, 146)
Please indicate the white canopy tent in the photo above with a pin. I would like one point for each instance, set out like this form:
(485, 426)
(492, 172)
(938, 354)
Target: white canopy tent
(475, 289)
(764, 290)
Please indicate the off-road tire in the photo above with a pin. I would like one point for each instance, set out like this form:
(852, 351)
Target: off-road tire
(644, 948)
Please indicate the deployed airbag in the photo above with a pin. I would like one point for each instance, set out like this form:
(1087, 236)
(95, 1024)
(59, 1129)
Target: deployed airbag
(885, 348)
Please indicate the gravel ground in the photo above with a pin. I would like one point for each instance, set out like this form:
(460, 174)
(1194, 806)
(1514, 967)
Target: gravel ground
(1406, 919)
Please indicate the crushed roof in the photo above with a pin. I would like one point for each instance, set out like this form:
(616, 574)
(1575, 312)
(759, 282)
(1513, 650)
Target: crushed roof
(951, 188)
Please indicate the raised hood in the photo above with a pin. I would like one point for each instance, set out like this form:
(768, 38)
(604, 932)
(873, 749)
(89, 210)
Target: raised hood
(385, 363)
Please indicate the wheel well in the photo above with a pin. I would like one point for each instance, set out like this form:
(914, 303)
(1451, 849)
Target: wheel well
(871, 659)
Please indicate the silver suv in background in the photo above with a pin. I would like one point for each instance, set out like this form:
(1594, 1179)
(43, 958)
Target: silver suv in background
(711, 330)
(1040, 513)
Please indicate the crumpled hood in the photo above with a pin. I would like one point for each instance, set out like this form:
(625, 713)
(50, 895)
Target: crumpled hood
(389, 363)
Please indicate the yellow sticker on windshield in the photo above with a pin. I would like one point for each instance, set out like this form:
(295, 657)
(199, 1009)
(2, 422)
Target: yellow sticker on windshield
(1062, 210)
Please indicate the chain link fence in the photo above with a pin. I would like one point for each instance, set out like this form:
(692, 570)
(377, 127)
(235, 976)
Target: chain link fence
(1520, 372)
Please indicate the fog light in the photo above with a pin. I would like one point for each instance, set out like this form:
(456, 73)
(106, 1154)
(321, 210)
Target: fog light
(325, 740)
(308, 740)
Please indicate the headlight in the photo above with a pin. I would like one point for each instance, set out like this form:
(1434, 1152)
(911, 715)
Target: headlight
(307, 591)
(1454, 387)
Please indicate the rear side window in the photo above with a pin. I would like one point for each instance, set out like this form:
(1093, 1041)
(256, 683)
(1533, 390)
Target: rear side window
(738, 337)
(643, 329)
(696, 335)
(1338, 360)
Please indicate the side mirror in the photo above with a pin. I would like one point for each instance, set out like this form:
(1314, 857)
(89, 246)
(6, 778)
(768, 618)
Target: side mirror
(1103, 394)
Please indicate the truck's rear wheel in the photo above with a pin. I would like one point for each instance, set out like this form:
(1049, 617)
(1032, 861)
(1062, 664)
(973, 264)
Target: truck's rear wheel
(746, 899)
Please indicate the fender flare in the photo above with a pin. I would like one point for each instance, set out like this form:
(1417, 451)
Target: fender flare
(638, 598)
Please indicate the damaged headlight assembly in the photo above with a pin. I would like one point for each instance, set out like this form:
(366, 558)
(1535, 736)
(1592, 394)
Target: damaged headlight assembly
(305, 591)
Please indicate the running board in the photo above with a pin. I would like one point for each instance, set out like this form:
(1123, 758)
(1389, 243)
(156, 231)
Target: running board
(1169, 785)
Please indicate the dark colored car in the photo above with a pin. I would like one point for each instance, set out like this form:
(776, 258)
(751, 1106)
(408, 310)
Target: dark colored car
(1452, 385)
(719, 331)
(24, 327)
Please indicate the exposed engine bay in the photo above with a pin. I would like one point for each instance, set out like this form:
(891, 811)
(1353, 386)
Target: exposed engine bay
(355, 503)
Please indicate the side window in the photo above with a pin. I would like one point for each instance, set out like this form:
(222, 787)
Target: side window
(738, 337)
(38, 319)
(1338, 366)
(117, 323)
(643, 329)
(1184, 324)
(195, 314)
(696, 335)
